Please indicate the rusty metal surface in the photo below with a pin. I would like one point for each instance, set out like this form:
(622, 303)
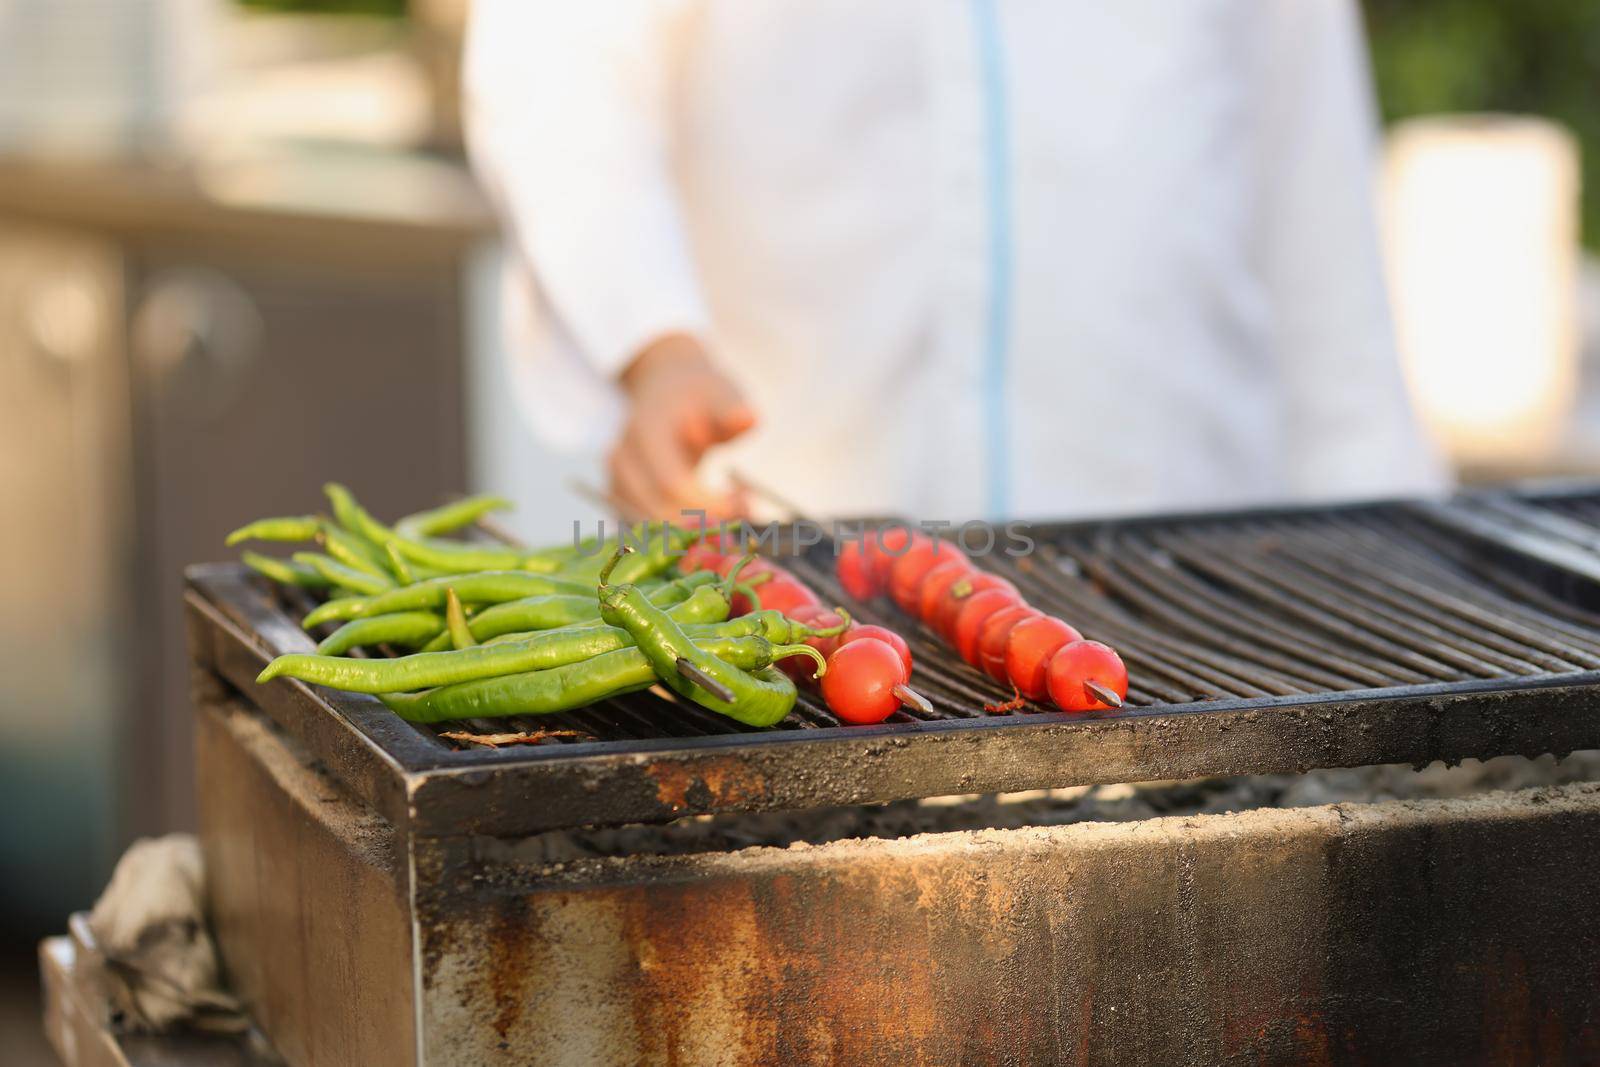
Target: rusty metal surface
(1411, 932)
(1444, 932)
(308, 896)
(1259, 642)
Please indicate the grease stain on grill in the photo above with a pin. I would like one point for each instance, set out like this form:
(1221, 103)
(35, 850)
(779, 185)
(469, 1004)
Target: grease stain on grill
(730, 782)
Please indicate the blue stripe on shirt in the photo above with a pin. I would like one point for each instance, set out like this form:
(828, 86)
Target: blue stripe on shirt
(997, 333)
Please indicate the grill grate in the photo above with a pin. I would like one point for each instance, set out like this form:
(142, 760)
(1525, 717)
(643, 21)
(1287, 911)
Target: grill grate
(1233, 608)
(1257, 642)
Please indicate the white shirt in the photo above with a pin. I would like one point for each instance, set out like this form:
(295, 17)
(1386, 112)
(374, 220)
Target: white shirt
(966, 257)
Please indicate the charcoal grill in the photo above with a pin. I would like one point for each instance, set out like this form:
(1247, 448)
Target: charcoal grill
(1264, 641)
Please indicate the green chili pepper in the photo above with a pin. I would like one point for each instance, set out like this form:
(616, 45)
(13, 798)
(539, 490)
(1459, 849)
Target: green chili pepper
(452, 557)
(407, 628)
(549, 612)
(782, 630)
(455, 620)
(342, 576)
(531, 652)
(461, 557)
(289, 528)
(352, 550)
(450, 517)
(533, 614)
(485, 587)
(761, 698)
(397, 563)
(353, 517)
(339, 609)
(662, 544)
(284, 571)
(567, 687)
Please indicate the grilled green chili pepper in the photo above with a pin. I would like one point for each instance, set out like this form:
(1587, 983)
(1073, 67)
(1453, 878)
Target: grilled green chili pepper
(408, 628)
(761, 698)
(339, 609)
(344, 577)
(450, 517)
(397, 563)
(782, 630)
(353, 551)
(353, 517)
(663, 545)
(454, 557)
(485, 587)
(563, 688)
(284, 571)
(455, 620)
(550, 612)
(286, 528)
(532, 652)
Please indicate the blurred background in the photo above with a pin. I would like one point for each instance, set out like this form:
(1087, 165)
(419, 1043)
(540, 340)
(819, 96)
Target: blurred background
(240, 253)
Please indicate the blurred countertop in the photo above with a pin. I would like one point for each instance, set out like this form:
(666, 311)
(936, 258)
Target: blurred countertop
(325, 194)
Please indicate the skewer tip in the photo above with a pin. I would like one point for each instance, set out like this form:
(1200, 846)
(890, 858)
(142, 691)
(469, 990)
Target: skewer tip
(1104, 694)
(705, 681)
(913, 699)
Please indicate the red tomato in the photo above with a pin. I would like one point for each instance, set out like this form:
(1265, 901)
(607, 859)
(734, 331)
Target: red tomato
(944, 615)
(699, 556)
(880, 633)
(992, 638)
(907, 573)
(756, 566)
(819, 617)
(784, 593)
(883, 547)
(938, 579)
(1077, 669)
(1028, 650)
(861, 679)
(854, 570)
(975, 611)
(724, 543)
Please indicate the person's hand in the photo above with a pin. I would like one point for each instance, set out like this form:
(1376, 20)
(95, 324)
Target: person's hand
(679, 405)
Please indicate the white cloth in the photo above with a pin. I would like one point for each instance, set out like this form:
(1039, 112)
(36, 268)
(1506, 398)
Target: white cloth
(967, 257)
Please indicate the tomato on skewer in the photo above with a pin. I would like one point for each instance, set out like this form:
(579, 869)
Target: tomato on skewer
(1087, 676)
(935, 583)
(801, 668)
(699, 556)
(944, 615)
(907, 573)
(854, 571)
(784, 593)
(883, 547)
(879, 633)
(863, 681)
(820, 617)
(992, 638)
(1028, 650)
(975, 611)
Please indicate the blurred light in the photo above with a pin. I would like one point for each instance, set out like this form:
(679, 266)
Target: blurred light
(1481, 234)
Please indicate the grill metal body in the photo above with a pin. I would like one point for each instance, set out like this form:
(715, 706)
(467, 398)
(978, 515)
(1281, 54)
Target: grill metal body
(421, 887)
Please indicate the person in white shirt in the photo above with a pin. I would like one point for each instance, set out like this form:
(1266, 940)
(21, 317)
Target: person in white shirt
(955, 258)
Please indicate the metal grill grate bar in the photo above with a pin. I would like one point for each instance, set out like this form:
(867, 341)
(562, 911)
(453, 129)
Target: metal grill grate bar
(1250, 607)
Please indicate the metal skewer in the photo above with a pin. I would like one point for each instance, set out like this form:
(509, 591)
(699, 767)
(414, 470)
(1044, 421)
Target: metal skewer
(796, 512)
(616, 504)
(912, 699)
(705, 681)
(1103, 694)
